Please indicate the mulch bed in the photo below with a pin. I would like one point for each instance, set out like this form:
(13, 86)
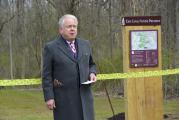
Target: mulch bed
(121, 116)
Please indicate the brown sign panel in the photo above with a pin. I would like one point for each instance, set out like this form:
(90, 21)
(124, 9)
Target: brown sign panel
(141, 20)
(143, 48)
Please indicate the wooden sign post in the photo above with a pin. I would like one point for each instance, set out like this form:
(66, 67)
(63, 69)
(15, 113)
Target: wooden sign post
(142, 52)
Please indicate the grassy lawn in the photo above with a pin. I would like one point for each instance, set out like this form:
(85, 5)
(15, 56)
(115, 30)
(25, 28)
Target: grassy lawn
(23, 105)
(29, 105)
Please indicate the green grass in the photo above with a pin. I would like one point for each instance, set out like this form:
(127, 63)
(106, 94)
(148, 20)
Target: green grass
(29, 105)
(103, 109)
(23, 105)
(171, 106)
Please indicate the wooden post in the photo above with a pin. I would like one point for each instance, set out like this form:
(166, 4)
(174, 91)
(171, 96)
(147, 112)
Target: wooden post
(143, 96)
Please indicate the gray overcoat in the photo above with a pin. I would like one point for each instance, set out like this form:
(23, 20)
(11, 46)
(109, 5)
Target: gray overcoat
(62, 77)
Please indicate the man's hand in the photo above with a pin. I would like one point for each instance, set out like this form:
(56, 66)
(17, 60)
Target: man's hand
(51, 104)
(92, 77)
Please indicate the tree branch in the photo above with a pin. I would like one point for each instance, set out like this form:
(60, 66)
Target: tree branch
(51, 3)
(5, 21)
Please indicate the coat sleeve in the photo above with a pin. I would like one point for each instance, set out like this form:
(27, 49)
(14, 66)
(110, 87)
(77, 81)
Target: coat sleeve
(47, 82)
(92, 65)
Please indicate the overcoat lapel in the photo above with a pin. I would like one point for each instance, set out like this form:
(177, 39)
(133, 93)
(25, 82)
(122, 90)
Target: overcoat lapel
(79, 44)
(65, 49)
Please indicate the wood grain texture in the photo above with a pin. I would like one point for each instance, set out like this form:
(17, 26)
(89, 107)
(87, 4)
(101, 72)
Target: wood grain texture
(143, 96)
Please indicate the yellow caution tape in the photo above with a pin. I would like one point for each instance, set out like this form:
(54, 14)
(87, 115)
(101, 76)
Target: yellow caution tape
(138, 74)
(15, 82)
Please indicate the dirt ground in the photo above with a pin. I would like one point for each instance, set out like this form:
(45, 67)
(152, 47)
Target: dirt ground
(121, 116)
(171, 116)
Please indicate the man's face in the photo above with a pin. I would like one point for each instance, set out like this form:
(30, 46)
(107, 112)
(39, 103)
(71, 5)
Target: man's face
(69, 29)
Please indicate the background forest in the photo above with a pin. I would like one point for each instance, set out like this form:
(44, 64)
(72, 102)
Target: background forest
(26, 25)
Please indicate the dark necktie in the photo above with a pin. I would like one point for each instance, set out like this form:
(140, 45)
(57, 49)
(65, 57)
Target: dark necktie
(73, 49)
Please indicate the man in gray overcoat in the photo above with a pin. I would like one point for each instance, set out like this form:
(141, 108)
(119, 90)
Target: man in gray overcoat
(67, 64)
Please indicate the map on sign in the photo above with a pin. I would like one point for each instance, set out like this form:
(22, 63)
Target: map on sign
(144, 40)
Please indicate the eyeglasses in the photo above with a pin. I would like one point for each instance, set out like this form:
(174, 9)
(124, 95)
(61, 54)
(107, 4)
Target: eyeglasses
(71, 26)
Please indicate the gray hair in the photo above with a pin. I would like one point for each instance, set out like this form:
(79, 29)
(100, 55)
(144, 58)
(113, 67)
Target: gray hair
(61, 20)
